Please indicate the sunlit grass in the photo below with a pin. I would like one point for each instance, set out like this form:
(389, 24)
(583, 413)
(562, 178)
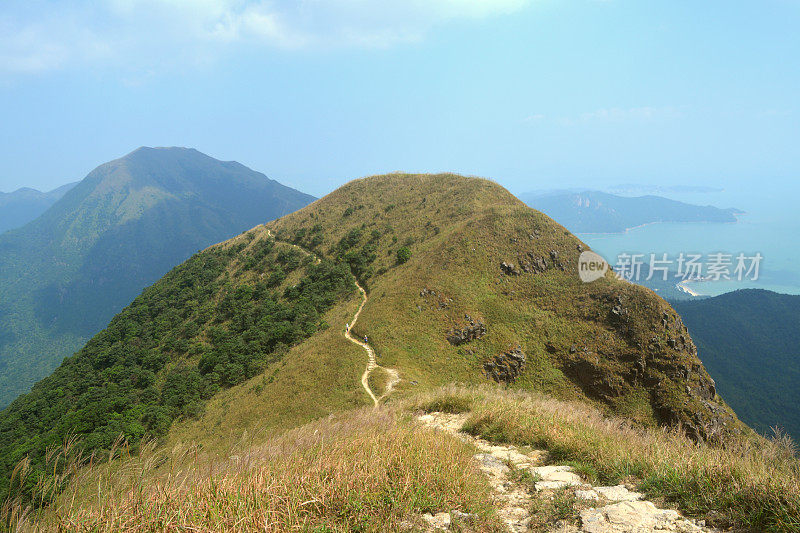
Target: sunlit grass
(748, 482)
(362, 471)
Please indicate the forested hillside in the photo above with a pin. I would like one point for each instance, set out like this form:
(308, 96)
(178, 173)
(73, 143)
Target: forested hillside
(66, 274)
(750, 342)
(213, 322)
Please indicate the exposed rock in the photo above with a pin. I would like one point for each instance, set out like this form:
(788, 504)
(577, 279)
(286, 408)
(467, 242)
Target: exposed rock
(618, 493)
(505, 367)
(619, 311)
(588, 495)
(556, 477)
(514, 501)
(596, 381)
(462, 518)
(509, 268)
(636, 516)
(438, 521)
(490, 464)
(475, 330)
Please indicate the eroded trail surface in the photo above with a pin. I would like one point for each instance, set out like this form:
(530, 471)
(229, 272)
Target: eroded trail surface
(523, 484)
(393, 376)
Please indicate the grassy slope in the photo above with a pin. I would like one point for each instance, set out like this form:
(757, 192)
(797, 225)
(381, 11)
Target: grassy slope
(360, 470)
(214, 321)
(374, 470)
(751, 484)
(459, 230)
(320, 376)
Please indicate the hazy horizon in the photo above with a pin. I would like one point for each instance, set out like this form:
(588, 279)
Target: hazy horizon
(531, 94)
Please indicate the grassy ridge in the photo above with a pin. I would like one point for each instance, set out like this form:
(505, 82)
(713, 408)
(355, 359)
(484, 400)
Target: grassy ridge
(247, 337)
(639, 362)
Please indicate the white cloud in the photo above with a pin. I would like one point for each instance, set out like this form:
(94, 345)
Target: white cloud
(619, 114)
(631, 113)
(536, 117)
(151, 31)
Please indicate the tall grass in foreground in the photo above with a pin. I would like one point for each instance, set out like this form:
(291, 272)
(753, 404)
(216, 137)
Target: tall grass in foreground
(749, 482)
(361, 471)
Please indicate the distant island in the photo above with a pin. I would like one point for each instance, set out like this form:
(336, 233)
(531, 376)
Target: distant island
(601, 212)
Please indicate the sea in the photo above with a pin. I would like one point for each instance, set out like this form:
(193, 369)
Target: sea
(770, 226)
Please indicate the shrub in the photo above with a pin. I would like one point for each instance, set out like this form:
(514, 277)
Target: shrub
(403, 254)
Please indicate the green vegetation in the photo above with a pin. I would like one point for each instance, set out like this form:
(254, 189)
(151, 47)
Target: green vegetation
(750, 342)
(23, 205)
(403, 254)
(66, 274)
(209, 324)
(235, 342)
(610, 342)
(376, 470)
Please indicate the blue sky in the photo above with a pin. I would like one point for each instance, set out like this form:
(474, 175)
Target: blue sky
(535, 94)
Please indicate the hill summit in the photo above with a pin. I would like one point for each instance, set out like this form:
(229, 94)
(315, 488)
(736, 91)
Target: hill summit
(464, 284)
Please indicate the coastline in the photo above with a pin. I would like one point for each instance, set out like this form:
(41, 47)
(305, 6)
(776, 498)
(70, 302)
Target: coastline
(683, 288)
(628, 230)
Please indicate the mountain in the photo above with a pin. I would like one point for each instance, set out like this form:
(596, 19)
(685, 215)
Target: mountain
(67, 273)
(599, 212)
(464, 284)
(750, 342)
(23, 205)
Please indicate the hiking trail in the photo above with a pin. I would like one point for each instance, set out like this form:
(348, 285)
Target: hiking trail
(600, 509)
(394, 376)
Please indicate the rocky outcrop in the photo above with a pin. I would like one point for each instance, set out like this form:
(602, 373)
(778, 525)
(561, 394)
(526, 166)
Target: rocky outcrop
(441, 301)
(475, 330)
(594, 378)
(505, 367)
(509, 268)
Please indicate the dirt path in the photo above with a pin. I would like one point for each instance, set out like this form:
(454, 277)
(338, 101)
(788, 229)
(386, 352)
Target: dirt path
(523, 506)
(300, 248)
(394, 377)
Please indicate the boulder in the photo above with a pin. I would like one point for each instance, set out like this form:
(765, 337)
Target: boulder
(509, 268)
(505, 367)
(458, 336)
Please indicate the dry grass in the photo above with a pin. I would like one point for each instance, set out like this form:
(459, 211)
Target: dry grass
(750, 482)
(361, 471)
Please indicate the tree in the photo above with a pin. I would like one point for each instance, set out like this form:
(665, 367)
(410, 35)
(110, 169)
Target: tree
(403, 255)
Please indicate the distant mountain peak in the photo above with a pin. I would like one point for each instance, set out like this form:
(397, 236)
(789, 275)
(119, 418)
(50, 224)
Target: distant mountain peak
(67, 272)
